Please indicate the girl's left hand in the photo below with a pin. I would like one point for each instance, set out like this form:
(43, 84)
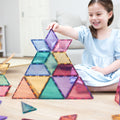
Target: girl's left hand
(96, 68)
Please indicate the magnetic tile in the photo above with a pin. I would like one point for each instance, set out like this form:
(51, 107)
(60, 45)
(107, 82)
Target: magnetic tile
(3, 117)
(51, 39)
(79, 91)
(27, 108)
(51, 91)
(51, 63)
(62, 45)
(117, 95)
(4, 67)
(40, 44)
(4, 90)
(40, 57)
(23, 91)
(61, 58)
(65, 70)
(116, 117)
(37, 70)
(3, 80)
(37, 83)
(64, 84)
(69, 117)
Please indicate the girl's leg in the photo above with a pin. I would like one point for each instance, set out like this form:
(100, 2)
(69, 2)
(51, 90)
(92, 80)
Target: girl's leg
(109, 88)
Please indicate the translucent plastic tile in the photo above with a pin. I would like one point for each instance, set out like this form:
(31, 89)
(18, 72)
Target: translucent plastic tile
(51, 91)
(27, 108)
(37, 83)
(40, 45)
(51, 39)
(4, 90)
(40, 57)
(116, 117)
(117, 95)
(4, 67)
(37, 70)
(69, 117)
(51, 63)
(79, 91)
(61, 58)
(3, 117)
(3, 80)
(64, 84)
(23, 91)
(65, 70)
(62, 45)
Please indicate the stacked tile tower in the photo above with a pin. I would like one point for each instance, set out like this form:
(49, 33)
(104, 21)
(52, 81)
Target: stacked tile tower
(51, 74)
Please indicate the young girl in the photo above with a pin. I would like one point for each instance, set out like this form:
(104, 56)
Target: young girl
(100, 68)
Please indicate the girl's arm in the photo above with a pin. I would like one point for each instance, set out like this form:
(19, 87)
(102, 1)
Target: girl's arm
(64, 30)
(109, 69)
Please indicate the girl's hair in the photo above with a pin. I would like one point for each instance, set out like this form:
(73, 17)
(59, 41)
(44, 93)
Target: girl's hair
(108, 5)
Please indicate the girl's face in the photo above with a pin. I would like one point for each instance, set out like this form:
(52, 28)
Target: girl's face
(98, 16)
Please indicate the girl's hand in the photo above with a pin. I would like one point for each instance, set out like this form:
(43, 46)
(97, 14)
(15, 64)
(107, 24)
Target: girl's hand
(54, 26)
(96, 68)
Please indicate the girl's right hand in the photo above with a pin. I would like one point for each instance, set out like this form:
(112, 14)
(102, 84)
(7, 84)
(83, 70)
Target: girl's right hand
(54, 26)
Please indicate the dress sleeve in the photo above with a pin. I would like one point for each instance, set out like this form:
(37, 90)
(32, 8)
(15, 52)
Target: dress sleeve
(82, 31)
(117, 46)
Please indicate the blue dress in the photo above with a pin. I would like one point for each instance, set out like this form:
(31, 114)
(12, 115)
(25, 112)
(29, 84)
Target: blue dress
(98, 53)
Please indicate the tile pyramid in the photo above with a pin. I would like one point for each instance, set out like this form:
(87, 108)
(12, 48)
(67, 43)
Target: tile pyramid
(27, 108)
(117, 95)
(69, 117)
(51, 74)
(4, 85)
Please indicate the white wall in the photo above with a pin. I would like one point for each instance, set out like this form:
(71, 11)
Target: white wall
(76, 7)
(9, 16)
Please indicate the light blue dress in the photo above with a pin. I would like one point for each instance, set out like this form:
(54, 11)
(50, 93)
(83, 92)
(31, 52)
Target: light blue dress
(98, 53)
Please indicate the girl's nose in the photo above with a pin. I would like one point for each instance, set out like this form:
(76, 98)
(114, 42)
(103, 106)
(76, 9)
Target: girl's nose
(94, 17)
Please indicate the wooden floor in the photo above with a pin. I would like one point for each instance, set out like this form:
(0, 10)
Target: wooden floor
(102, 107)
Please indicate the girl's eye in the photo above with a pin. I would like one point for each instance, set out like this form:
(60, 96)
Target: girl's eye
(90, 15)
(98, 14)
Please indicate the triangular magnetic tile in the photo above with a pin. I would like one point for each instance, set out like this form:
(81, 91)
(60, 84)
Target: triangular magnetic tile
(27, 108)
(79, 91)
(51, 91)
(23, 91)
(64, 83)
(37, 83)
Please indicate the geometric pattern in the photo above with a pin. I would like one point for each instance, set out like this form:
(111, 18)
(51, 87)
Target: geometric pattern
(69, 117)
(51, 74)
(4, 85)
(117, 95)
